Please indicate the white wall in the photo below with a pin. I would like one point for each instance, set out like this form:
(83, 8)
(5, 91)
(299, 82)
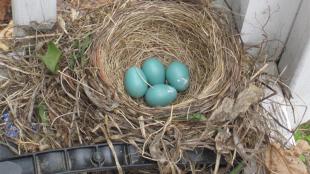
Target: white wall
(267, 20)
(295, 62)
(239, 8)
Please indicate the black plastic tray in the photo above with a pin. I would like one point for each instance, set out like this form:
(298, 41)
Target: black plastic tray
(92, 158)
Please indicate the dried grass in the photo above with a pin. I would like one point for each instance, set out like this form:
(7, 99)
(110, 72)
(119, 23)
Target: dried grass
(86, 102)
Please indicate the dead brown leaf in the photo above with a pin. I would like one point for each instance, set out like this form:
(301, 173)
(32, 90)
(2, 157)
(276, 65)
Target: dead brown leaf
(230, 109)
(282, 161)
(246, 98)
(301, 147)
(155, 150)
(223, 112)
(221, 140)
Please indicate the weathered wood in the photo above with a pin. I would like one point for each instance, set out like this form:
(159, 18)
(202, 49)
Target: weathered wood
(38, 14)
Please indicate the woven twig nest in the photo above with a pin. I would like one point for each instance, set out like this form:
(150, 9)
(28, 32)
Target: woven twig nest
(86, 102)
(198, 37)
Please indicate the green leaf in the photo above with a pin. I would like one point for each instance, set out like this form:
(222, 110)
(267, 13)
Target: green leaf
(303, 132)
(52, 57)
(302, 158)
(238, 168)
(85, 43)
(298, 135)
(307, 138)
(42, 113)
(192, 117)
(197, 117)
(79, 55)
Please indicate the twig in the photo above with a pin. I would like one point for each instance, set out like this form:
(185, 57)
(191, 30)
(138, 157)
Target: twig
(276, 120)
(80, 83)
(32, 101)
(118, 166)
(217, 164)
(69, 113)
(259, 71)
(142, 126)
(16, 69)
(30, 37)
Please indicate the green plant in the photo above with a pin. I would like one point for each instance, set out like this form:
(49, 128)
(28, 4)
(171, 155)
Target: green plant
(238, 168)
(303, 132)
(52, 57)
(192, 117)
(303, 158)
(79, 55)
(42, 113)
(197, 117)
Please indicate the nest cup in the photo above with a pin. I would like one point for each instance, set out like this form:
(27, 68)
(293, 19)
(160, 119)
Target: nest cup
(195, 36)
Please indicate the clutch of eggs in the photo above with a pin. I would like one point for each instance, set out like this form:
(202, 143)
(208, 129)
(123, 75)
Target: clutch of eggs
(150, 81)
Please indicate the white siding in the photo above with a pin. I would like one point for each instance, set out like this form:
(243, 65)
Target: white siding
(295, 62)
(239, 8)
(267, 20)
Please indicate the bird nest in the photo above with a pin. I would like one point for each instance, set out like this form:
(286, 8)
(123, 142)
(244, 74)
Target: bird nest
(197, 37)
(85, 101)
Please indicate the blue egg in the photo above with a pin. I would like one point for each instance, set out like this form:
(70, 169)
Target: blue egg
(160, 95)
(154, 71)
(177, 75)
(135, 82)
